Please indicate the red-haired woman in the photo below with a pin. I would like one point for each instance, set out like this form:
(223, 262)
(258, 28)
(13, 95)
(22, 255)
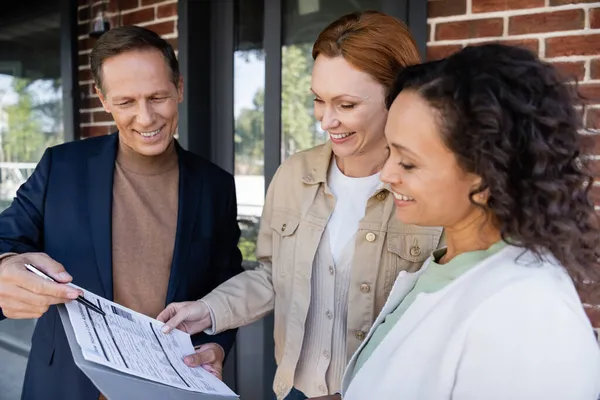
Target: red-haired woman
(329, 245)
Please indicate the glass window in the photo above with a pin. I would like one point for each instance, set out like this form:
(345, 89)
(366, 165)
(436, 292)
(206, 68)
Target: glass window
(303, 20)
(31, 119)
(249, 98)
(30, 100)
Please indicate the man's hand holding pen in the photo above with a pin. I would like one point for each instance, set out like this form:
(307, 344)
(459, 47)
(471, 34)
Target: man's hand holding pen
(26, 295)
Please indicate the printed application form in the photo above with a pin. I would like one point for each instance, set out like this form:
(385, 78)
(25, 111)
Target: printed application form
(133, 343)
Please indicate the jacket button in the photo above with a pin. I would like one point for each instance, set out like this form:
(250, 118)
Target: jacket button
(370, 236)
(331, 270)
(283, 227)
(329, 315)
(415, 251)
(360, 335)
(381, 195)
(365, 288)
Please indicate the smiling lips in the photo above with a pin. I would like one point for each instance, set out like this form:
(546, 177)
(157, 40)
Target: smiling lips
(149, 134)
(400, 196)
(338, 136)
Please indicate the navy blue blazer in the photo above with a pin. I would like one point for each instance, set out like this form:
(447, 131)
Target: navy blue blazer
(64, 210)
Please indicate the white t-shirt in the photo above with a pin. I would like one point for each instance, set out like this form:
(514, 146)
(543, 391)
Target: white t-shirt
(351, 196)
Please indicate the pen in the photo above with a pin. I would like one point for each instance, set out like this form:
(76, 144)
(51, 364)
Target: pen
(80, 299)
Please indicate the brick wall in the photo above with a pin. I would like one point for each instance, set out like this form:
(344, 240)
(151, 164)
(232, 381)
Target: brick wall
(158, 15)
(564, 32)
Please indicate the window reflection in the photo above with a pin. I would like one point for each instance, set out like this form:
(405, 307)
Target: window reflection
(249, 100)
(30, 101)
(299, 128)
(31, 119)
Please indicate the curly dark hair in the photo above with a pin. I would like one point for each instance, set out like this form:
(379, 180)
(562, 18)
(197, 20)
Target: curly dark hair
(512, 120)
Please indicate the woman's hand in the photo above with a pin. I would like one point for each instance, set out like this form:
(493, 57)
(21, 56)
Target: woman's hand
(188, 316)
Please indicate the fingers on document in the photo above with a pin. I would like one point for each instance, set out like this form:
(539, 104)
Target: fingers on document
(205, 354)
(170, 316)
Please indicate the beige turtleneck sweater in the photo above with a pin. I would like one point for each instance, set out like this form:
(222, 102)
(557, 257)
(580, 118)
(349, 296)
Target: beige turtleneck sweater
(144, 223)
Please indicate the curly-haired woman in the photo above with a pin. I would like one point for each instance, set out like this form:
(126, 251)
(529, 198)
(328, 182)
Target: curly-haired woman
(485, 143)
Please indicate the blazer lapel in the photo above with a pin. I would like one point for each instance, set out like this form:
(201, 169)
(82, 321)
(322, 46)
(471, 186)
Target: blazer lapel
(100, 186)
(190, 186)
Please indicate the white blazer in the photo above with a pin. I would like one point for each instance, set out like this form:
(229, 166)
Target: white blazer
(510, 328)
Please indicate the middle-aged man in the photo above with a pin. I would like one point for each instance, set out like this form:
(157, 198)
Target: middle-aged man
(130, 216)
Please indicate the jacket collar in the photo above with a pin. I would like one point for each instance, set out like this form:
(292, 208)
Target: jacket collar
(315, 172)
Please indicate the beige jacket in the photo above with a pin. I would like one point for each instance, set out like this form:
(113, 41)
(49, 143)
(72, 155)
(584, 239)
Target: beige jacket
(297, 208)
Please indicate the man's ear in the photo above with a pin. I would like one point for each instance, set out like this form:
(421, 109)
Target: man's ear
(102, 98)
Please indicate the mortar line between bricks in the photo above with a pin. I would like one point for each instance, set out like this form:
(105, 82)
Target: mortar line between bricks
(512, 13)
(545, 35)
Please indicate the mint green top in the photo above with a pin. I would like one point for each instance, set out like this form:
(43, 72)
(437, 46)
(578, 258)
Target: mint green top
(434, 278)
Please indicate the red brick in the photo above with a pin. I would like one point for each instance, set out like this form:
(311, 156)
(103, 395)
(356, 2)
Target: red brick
(102, 116)
(571, 70)
(83, 14)
(85, 117)
(503, 5)
(173, 43)
(83, 29)
(477, 28)
(91, 102)
(529, 44)
(593, 314)
(91, 131)
(437, 52)
(590, 144)
(162, 28)
(445, 8)
(582, 45)
(139, 16)
(593, 168)
(562, 2)
(595, 193)
(557, 21)
(86, 89)
(85, 75)
(595, 18)
(148, 2)
(123, 5)
(83, 59)
(166, 10)
(590, 92)
(595, 69)
(86, 43)
(593, 121)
